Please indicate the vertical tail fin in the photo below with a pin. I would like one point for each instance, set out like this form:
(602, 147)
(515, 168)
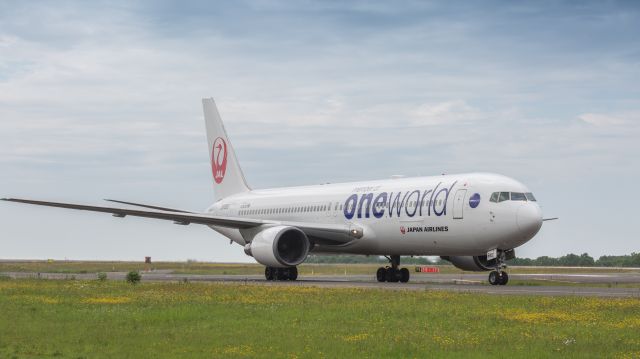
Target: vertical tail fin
(228, 178)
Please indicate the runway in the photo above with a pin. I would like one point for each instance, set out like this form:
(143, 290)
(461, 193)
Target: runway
(584, 284)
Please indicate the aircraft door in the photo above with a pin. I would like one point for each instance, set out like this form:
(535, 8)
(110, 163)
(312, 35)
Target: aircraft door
(458, 203)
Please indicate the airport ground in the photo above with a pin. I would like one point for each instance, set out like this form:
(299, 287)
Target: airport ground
(227, 310)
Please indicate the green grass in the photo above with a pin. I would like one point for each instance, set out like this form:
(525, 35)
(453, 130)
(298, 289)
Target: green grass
(92, 319)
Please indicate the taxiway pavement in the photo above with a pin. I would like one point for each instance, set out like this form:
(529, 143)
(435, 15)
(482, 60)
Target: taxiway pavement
(583, 284)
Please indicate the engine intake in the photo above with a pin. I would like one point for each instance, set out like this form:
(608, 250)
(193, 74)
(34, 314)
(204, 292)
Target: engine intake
(279, 246)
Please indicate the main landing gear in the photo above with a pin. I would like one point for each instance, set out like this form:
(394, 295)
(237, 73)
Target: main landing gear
(499, 276)
(393, 274)
(272, 273)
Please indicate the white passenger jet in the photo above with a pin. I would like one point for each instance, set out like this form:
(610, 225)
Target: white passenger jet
(473, 220)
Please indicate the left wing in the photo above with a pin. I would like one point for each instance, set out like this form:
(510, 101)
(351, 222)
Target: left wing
(177, 217)
(327, 233)
(148, 206)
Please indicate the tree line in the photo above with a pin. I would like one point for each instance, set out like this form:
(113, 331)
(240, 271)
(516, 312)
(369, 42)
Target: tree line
(583, 260)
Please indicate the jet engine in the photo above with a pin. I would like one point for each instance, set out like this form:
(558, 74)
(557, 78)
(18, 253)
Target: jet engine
(279, 246)
(479, 263)
(470, 263)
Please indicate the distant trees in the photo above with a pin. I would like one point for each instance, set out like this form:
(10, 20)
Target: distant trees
(583, 260)
(632, 260)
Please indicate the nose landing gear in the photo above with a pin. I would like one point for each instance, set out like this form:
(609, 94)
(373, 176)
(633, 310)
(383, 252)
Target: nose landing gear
(499, 276)
(393, 274)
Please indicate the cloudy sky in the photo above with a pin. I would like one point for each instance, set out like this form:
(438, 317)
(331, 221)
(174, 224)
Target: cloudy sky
(102, 100)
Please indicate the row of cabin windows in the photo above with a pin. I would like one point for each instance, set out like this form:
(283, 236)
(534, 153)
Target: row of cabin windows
(305, 209)
(297, 209)
(511, 196)
(415, 204)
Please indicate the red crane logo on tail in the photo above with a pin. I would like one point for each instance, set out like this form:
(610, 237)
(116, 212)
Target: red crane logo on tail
(219, 159)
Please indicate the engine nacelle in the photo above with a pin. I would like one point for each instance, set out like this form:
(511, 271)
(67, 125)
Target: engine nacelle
(470, 263)
(479, 263)
(279, 246)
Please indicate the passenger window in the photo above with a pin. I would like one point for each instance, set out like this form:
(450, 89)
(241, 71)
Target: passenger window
(504, 196)
(494, 197)
(518, 196)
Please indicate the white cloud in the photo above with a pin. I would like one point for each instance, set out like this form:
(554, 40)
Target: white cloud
(445, 113)
(598, 119)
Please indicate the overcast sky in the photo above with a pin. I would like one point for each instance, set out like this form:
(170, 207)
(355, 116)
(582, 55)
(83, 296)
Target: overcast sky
(102, 100)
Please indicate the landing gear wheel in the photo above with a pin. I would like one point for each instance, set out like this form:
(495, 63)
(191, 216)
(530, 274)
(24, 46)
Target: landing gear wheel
(282, 273)
(404, 275)
(504, 278)
(269, 273)
(494, 278)
(393, 275)
(293, 273)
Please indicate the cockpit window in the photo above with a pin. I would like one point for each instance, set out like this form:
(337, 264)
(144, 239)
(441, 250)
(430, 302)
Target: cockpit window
(513, 196)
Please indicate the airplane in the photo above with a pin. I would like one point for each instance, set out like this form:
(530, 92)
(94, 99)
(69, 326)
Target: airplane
(473, 220)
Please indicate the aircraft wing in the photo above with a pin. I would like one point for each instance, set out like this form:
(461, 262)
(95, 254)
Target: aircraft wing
(327, 233)
(148, 206)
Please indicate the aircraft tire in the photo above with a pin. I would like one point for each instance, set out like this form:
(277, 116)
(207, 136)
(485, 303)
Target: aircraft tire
(393, 275)
(494, 278)
(269, 273)
(381, 274)
(404, 275)
(282, 273)
(504, 278)
(293, 273)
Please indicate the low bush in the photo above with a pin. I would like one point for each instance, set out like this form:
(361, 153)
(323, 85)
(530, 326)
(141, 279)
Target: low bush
(133, 277)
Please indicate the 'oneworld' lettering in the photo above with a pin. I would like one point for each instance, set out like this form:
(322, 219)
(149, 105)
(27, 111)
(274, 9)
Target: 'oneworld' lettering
(398, 204)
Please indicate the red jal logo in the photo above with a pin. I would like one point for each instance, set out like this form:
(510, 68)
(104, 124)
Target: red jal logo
(219, 159)
(402, 230)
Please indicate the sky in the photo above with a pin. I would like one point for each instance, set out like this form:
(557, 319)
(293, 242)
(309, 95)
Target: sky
(103, 100)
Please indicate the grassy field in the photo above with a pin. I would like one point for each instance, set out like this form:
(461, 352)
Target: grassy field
(246, 268)
(112, 319)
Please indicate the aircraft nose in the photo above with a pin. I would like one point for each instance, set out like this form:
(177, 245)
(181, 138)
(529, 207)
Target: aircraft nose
(529, 219)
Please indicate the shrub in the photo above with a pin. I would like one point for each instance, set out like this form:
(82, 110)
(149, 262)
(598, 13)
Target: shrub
(102, 276)
(133, 277)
